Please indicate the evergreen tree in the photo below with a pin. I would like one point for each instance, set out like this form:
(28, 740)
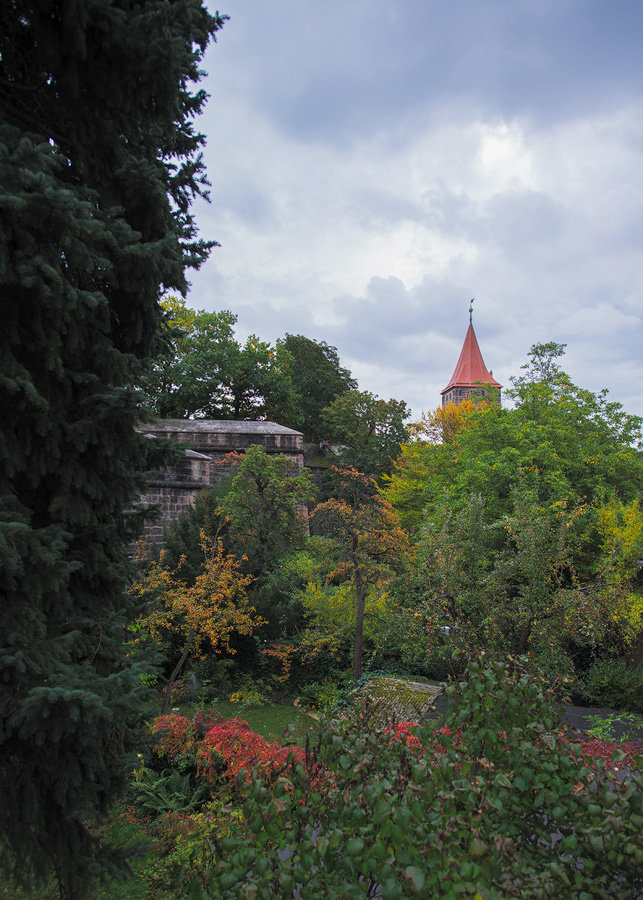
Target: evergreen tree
(99, 162)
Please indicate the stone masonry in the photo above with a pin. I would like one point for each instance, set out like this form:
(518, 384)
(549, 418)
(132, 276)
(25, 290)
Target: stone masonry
(207, 442)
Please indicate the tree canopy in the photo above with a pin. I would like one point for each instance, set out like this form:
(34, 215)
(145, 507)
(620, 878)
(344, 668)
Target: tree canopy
(319, 379)
(207, 374)
(560, 441)
(99, 161)
(370, 431)
(367, 543)
(527, 520)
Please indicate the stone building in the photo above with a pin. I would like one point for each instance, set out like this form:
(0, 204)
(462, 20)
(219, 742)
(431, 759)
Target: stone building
(471, 377)
(207, 443)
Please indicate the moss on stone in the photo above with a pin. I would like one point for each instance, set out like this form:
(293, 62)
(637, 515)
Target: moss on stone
(406, 701)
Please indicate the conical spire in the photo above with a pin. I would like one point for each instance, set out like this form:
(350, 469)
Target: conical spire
(470, 370)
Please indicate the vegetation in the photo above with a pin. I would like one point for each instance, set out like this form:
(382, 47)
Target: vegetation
(201, 615)
(366, 541)
(498, 547)
(528, 528)
(319, 379)
(539, 561)
(495, 803)
(96, 184)
(207, 374)
(370, 431)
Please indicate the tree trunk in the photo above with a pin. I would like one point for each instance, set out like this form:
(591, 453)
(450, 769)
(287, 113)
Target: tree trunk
(175, 674)
(524, 637)
(360, 589)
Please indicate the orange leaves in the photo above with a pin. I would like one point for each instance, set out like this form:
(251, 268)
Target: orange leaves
(210, 610)
(283, 655)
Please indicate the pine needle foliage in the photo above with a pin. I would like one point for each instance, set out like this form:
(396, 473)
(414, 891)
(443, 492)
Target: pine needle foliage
(99, 162)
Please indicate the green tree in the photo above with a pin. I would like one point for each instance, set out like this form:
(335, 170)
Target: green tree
(319, 379)
(265, 508)
(99, 161)
(207, 374)
(528, 523)
(559, 441)
(369, 430)
(260, 513)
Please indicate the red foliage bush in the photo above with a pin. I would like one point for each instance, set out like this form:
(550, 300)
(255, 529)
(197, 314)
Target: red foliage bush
(241, 748)
(175, 735)
(590, 748)
(605, 750)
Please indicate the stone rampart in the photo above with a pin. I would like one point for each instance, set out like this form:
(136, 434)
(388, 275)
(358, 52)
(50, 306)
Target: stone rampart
(208, 442)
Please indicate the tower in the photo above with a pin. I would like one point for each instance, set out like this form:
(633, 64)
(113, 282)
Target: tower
(471, 375)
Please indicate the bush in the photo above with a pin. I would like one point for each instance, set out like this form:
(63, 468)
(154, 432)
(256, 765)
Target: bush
(326, 696)
(496, 802)
(613, 684)
(241, 748)
(184, 852)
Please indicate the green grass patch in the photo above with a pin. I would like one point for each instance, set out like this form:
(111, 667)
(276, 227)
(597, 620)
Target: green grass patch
(270, 720)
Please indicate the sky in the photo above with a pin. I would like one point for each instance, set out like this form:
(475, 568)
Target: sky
(376, 165)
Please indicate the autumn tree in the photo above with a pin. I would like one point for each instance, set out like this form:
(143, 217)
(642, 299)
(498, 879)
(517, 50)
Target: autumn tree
(441, 425)
(260, 513)
(99, 163)
(427, 462)
(196, 618)
(367, 542)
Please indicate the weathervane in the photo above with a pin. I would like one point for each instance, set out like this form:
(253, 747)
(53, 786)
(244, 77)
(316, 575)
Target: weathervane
(471, 311)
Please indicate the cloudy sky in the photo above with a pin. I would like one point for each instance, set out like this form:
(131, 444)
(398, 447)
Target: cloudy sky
(376, 165)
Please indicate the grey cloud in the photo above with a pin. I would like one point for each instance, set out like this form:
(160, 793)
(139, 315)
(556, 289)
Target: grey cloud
(522, 223)
(342, 70)
(354, 206)
(375, 208)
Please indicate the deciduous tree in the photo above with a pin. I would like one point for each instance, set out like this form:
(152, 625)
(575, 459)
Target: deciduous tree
(265, 508)
(206, 373)
(370, 431)
(203, 615)
(367, 540)
(319, 379)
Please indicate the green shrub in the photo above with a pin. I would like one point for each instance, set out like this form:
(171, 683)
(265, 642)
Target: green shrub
(496, 803)
(613, 684)
(183, 853)
(326, 695)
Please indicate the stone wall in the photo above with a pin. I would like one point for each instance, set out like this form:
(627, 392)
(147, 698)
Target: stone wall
(173, 489)
(208, 442)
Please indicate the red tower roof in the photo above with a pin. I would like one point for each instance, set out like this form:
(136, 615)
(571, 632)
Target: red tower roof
(470, 368)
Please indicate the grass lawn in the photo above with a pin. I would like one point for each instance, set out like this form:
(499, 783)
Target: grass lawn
(271, 720)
